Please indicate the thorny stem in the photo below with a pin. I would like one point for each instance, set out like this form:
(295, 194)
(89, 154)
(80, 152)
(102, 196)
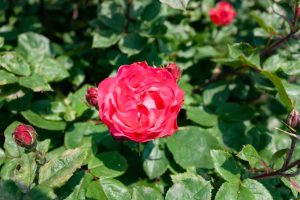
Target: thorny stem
(290, 152)
(285, 167)
(269, 49)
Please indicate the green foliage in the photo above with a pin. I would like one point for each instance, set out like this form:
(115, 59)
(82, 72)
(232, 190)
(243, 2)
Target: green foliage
(240, 83)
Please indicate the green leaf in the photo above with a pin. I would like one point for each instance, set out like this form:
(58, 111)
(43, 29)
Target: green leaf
(115, 20)
(233, 191)
(283, 96)
(200, 116)
(155, 162)
(25, 173)
(78, 102)
(59, 169)
(178, 4)
(33, 46)
(192, 141)
(273, 63)
(107, 165)
(257, 189)
(105, 39)
(247, 190)
(35, 82)
(42, 192)
(40, 122)
(10, 146)
(216, 94)
(15, 63)
(132, 44)
(51, 69)
(80, 190)
(225, 165)
(9, 190)
(235, 112)
(245, 54)
(2, 40)
(107, 189)
(7, 78)
(249, 154)
(145, 193)
(76, 133)
(2, 156)
(194, 187)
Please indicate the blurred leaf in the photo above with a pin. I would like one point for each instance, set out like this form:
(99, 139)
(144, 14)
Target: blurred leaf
(215, 94)
(200, 116)
(178, 4)
(2, 156)
(50, 69)
(145, 193)
(7, 78)
(225, 165)
(59, 169)
(192, 141)
(190, 188)
(112, 14)
(132, 44)
(77, 132)
(42, 192)
(273, 63)
(107, 189)
(155, 162)
(107, 165)
(35, 82)
(105, 39)
(235, 112)
(245, 54)
(40, 122)
(249, 154)
(9, 190)
(15, 63)
(33, 46)
(283, 96)
(1, 42)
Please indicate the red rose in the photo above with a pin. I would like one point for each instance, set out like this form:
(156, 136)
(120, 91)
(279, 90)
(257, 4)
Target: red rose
(223, 14)
(24, 135)
(141, 103)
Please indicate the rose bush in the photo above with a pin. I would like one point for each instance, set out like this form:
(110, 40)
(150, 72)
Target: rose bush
(141, 103)
(238, 126)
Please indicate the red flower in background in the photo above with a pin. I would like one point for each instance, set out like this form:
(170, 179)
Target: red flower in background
(141, 103)
(223, 14)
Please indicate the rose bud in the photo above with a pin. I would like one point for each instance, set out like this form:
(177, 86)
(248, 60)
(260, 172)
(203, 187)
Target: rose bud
(25, 135)
(298, 12)
(174, 70)
(91, 96)
(140, 103)
(293, 119)
(223, 14)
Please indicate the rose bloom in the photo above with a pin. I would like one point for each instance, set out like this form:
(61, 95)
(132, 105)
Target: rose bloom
(223, 14)
(141, 103)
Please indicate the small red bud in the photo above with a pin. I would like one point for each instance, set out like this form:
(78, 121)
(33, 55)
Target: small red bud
(91, 96)
(25, 135)
(174, 70)
(293, 119)
(298, 12)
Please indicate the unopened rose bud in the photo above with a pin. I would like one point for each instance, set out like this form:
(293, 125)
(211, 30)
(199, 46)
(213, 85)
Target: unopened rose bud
(25, 135)
(174, 70)
(91, 96)
(293, 119)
